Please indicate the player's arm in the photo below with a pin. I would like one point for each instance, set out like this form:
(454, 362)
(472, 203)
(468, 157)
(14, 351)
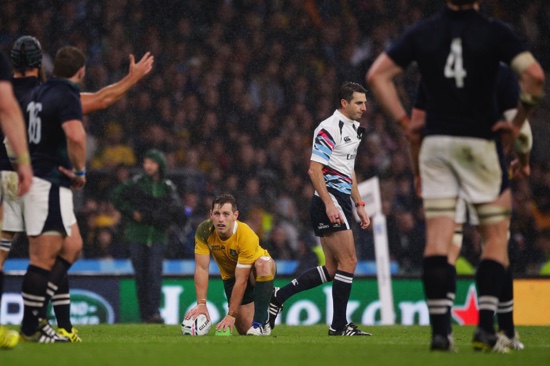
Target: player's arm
(103, 98)
(318, 180)
(531, 80)
(520, 167)
(414, 136)
(202, 264)
(356, 198)
(13, 127)
(380, 78)
(76, 148)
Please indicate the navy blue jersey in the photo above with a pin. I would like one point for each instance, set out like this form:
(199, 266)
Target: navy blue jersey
(4, 76)
(5, 68)
(458, 55)
(22, 88)
(50, 105)
(506, 92)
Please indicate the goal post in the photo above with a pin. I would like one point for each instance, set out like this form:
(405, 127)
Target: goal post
(370, 193)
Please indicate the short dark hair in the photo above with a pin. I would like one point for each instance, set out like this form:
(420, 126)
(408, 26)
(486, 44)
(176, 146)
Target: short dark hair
(347, 89)
(223, 199)
(68, 60)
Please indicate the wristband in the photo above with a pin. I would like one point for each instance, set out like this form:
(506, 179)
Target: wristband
(232, 314)
(23, 159)
(528, 100)
(361, 203)
(79, 173)
(201, 302)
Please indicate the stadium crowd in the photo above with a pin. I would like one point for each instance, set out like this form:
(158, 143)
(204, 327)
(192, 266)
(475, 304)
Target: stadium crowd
(236, 92)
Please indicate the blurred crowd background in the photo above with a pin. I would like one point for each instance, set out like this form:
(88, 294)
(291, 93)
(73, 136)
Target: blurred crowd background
(236, 92)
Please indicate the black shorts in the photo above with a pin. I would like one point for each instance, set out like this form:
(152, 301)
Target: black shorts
(318, 213)
(248, 296)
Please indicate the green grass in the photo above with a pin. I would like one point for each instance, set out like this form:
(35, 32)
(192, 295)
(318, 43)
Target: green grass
(136, 344)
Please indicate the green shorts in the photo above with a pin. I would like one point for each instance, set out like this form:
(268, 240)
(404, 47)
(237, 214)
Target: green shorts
(248, 296)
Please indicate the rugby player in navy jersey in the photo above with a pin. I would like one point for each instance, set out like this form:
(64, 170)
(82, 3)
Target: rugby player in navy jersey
(26, 57)
(507, 94)
(57, 139)
(332, 174)
(13, 126)
(458, 54)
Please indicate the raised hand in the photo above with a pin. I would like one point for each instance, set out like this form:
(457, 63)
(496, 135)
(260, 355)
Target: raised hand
(143, 67)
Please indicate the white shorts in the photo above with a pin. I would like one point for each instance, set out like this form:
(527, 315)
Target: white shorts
(48, 208)
(466, 213)
(12, 205)
(465, 167)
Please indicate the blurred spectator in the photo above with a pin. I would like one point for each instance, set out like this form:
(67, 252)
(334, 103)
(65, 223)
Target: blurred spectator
(112, 150)
(406, 240)
(106, 245)
(149, 204)
(307, 258)
(278, 245)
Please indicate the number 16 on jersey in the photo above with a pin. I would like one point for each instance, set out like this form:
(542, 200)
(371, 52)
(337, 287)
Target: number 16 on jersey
(35, 124)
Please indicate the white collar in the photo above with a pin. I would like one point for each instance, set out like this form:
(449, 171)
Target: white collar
(342, 117)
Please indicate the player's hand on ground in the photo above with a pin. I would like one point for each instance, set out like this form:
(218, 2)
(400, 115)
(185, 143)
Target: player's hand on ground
(24, 174)
(143, 67)
(363, 216)
(76, 182)
(227, 322)
(334, 214)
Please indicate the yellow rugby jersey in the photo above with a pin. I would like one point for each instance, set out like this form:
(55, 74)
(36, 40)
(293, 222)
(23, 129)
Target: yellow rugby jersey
(242, 247)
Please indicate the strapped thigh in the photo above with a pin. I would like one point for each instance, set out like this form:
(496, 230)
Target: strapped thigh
(437, 207)
(492, 214)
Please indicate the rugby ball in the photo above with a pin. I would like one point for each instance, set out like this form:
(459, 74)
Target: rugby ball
(196, 327)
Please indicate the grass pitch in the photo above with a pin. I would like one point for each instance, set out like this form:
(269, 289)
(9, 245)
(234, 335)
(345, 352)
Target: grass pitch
(137, 344)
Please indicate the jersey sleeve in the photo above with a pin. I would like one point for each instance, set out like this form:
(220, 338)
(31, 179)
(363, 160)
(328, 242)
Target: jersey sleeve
(402, 51)
(323, 145)
(249, 243)
(70, 108)
(201, 237)
(507, 89)
(5, 68)
(508, 43)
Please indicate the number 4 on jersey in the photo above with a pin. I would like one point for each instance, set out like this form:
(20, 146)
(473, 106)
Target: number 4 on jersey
(454, 68)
